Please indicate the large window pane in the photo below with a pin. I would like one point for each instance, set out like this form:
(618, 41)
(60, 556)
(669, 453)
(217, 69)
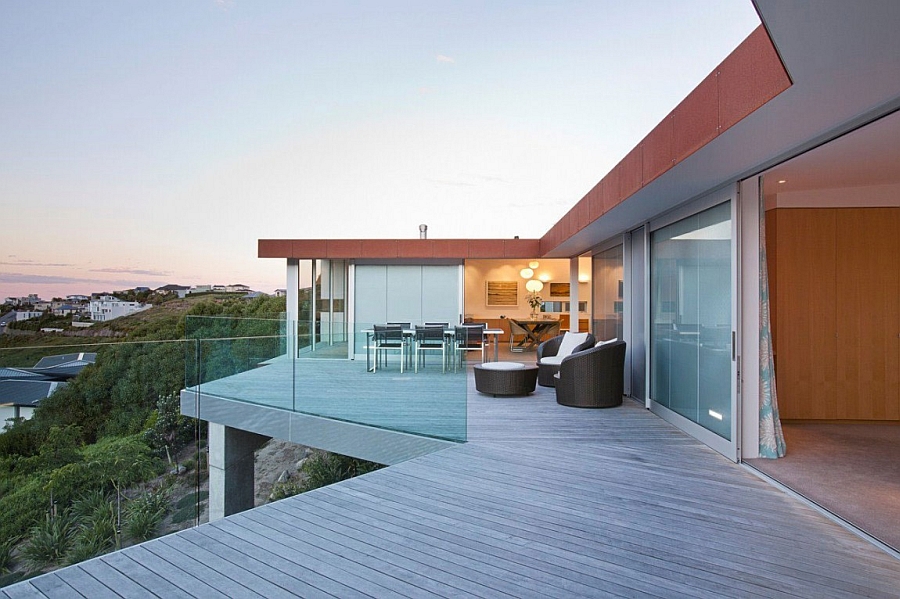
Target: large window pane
(690, 286)
(608, 292)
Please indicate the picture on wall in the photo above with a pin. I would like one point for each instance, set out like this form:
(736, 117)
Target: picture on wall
(502, 293)
(559, 290)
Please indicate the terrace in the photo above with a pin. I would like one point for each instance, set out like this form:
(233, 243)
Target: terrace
(541, 501)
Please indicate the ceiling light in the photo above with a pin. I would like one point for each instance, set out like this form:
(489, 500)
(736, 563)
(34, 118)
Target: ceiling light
(533, 264)
(534, 285)
(544, 277)
(782, 181)
(526, 273)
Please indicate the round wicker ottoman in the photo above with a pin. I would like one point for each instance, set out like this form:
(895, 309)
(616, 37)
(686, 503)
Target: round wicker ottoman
(505, 378)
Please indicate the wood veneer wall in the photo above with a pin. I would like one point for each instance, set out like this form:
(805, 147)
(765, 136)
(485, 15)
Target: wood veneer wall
(835, 293)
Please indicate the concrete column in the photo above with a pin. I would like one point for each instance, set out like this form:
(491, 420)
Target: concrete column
(574, 324)
(292, 308)
(231, 469)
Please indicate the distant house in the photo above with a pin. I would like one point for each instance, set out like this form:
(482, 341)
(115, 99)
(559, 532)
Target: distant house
(179, 290)
(280, 292)
(109, 307)
(22, 389)
(27, 315)
(238, 288)
(19, 398)
(66, 310)
(78, 298)
(201, 289)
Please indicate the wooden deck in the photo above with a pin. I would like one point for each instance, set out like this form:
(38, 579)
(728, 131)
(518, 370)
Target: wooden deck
(543, 501)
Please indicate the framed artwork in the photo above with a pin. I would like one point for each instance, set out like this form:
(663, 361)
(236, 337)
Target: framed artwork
(502, 293)
(559, 290)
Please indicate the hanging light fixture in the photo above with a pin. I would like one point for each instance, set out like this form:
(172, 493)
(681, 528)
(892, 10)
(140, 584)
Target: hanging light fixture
(533, 264)
(534, 285)
(526, 273)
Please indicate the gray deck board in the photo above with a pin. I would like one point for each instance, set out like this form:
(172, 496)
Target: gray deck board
(543, 501)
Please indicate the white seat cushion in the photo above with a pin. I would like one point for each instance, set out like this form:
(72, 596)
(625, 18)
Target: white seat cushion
(602, 343)
(552, 360)
(502, 366)
(569, 342)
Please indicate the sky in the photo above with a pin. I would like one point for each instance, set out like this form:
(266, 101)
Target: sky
(146, 143)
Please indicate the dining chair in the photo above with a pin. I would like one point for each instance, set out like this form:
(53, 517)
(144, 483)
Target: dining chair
(388, 338)
(469, 337)
(515, 329)
(430, 338)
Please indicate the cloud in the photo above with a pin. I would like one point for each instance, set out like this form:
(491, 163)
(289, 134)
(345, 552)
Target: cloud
(32, 263)
(15, 277)
(133, 271)
(442, 58)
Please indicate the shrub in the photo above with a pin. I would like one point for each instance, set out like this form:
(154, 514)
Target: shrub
(49, 541)
(323, 468)
(285, 489)
(22, 507)
(89, 504)
(96, 532)
(6, 554)
(145, 513)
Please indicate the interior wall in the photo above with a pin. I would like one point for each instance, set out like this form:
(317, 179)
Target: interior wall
(835, 291)
(478, 272)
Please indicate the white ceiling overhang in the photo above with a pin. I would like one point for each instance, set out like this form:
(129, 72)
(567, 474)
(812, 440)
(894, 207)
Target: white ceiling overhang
(844, 61)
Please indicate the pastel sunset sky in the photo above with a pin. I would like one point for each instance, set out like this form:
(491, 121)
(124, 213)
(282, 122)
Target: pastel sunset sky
(146, 143)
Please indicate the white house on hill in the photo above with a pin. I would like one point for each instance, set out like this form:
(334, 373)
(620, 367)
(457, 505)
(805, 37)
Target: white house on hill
(108, 307)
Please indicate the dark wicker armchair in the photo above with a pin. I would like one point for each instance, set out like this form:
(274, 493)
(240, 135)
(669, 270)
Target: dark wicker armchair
(550, 347)
(594, 378)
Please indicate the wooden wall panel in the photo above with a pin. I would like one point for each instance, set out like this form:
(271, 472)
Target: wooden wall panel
(868, 290)
(806, 357)
(836, 312)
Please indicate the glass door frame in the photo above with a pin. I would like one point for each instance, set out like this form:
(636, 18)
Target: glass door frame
(728, 448)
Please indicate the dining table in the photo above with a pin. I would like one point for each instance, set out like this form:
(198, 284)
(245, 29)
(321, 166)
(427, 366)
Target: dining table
(535, 330)
(491, 336)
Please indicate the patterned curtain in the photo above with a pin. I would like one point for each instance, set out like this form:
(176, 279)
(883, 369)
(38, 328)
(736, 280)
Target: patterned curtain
(771, 438)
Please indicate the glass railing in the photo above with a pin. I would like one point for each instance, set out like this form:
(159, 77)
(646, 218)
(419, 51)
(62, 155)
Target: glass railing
(396, 384)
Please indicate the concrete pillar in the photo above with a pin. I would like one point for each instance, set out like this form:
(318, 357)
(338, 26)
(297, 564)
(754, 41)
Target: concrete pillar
(574, 323)
(231, 469)
(292, 307)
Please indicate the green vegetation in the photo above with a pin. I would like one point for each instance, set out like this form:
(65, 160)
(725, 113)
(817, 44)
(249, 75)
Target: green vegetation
(74, 476)
(321, 469)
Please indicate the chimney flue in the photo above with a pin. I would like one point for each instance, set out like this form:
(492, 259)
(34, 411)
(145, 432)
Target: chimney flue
(423, 231)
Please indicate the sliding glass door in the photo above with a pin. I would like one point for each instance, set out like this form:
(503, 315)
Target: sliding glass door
(692, 316)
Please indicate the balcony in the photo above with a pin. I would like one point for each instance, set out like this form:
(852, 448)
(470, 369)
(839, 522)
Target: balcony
(249, 374)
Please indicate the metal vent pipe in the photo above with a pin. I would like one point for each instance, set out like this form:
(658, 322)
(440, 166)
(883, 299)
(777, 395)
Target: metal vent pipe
(423, 231)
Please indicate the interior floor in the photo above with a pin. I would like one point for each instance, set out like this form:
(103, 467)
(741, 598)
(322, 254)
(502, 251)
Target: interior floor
(850, 469)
